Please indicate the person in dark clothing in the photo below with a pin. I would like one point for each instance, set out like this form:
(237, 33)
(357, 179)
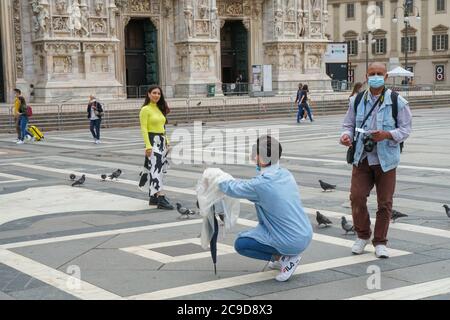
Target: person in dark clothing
(95, 114)
(303, 104)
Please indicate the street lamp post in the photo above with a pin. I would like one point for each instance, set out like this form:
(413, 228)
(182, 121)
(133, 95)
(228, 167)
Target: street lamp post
(406, 7)
(366, 41)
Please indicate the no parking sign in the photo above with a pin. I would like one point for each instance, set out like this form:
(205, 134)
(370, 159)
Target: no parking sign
(440, 72)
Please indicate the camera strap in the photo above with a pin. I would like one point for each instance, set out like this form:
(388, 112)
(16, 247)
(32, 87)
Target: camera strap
(379, 100)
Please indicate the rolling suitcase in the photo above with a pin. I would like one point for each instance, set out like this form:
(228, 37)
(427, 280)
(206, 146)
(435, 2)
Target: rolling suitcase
(37, 134)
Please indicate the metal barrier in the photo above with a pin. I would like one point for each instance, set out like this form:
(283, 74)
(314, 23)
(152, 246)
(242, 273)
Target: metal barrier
(235, 89)
(67, 116)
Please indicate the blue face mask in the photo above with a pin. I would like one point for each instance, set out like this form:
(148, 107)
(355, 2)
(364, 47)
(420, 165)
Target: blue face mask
(258, 169)
(376, 81)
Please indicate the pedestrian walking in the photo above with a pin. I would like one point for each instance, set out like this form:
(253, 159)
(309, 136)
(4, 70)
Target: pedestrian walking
(95, 113)
(304, 104)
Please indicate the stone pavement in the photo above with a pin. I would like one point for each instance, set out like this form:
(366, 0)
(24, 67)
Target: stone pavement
(103, 241)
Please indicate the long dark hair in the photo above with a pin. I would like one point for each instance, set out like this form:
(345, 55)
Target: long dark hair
(356, 88)
(162, 104)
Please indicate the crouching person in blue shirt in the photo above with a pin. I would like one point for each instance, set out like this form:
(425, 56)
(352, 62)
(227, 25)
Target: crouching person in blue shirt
(284, 230)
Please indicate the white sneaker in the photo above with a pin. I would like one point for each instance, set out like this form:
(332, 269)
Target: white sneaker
(20, 142)
(359, 245)
(97, 142)
(274, 265)
(288, 266)
(28, 137)
(381, 251)
(17, 140)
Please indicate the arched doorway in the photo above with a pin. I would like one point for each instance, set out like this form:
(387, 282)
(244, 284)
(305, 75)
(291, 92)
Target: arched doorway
(141, 52)
(234, 58)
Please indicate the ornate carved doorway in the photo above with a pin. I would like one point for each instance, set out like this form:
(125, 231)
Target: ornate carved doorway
(234, 56)
(141, 53)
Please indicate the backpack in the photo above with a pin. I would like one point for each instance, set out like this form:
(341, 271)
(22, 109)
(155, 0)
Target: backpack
(394, 98)
(29, 112)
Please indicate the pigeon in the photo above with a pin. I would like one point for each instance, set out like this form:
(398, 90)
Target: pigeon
(397, 214)
(447, 210)
(80, 181)
(185, 212)
(104, 176)
(199, 104)
(347, 226)
(72, 177)
(116, 174)
(321, 219)
(326, 186)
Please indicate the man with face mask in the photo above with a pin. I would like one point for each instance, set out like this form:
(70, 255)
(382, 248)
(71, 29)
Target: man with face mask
(284, 230)
(375, 137)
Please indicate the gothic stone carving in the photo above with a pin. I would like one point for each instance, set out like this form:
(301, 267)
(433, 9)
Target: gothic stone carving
(284, 56)
(18, 38)
(62, 64)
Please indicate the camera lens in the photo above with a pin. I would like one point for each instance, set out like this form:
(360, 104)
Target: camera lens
(369, 144)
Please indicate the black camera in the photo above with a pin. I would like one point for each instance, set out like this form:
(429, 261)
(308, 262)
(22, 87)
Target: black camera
(368, 143)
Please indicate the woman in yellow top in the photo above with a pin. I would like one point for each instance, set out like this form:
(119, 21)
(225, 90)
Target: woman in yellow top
(153, 127)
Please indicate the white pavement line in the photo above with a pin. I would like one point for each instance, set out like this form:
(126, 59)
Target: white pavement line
(75, 140)
(62, 281)
(413, 292)
(399, 226)
(312, 211)
(14, 178)
(251, 278)
(99, 234)
(146, 252)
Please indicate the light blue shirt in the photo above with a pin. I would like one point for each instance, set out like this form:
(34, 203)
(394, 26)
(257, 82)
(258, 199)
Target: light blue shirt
(283, 224)
(387, 152)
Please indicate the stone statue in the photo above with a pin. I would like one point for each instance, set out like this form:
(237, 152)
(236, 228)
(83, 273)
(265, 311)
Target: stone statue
(99, 7)
(41, 16)
(60, 6)
(278, 23)
(203, 9)
(188, 21)
(85, 21)
(315, 7)
(214, 31)
(78, 20)
(74, 16)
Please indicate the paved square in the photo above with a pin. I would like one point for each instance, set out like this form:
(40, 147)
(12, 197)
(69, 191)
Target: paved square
(104, 241)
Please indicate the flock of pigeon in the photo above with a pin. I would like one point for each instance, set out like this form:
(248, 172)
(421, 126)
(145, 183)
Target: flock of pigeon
(320, 218)
(184, 212)
(348, 227)
(115, 175)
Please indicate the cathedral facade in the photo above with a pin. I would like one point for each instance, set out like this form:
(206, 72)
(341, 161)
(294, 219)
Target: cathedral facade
(55, 50)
